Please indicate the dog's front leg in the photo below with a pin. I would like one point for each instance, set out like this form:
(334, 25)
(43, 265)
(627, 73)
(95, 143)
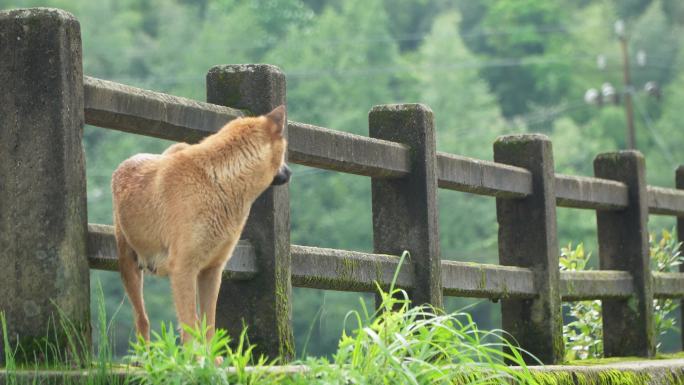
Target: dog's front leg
(184, 288)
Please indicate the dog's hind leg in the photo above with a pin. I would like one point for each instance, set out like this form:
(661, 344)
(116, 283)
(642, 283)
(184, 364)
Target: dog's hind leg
(183, 277)
(132, 278)
(208, 283)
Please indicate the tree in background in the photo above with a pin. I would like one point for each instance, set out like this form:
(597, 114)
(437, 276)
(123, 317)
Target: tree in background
(521, 41)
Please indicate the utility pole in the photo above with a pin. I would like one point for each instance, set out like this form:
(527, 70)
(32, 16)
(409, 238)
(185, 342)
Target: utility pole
(620, 32)
(607, 93)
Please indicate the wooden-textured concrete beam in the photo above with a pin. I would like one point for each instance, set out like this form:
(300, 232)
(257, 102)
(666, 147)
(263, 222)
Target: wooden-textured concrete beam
(482, 177)
(464, 279)
(340, 151)
(598, 284)
(590, 193)
(665, 201)
(332, 269)
(102, 254)
(668, 285)
(131, 109)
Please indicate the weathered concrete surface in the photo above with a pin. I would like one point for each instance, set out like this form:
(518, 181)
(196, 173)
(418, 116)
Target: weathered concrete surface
(527, 238)
(482, 177)
(628, 326)
(585, 285)
(590, 193)
(255, 89)
(343, 270)
(668, 285)
(405, 213)
(341, 151)
(665, 201)
(650, 372)
(56, 377)
(332, 269)
(125, 108)
(43, 217)
(679, 184)
(263, 304)
(465, 279)
(102, 254)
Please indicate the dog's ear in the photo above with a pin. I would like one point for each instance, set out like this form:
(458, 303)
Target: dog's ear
(277, 116)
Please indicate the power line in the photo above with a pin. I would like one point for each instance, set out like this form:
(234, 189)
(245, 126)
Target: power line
(308, 73)
(654, 134)
(420, 36)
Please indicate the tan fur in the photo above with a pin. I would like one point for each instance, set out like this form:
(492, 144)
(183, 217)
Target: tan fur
(181, 213)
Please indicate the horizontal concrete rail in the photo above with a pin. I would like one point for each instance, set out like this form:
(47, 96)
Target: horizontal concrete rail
(668, 285)
(102, 254)
(597, 284)
(590, 193)
(130, 109)
(665, 201)
(340, 151)
(332, 269)
(125, 108)
(354, 271)
(482, 177)
(464, 279)
(503, 181)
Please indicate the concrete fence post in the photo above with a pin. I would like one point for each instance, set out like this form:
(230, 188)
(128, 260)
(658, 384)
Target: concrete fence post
(405, 213)
(43, 221)
(679, 183)
(263, 304)
(628, 326)
(528, 238)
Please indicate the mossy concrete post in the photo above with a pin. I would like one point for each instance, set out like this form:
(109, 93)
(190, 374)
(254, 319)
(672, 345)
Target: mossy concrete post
(263, 304)
(405, 215)
(527, 238)
(43, 221)
(679, 183)
(628, 326)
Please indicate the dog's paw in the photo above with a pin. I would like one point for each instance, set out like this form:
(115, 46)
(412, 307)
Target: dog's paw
(218, 361)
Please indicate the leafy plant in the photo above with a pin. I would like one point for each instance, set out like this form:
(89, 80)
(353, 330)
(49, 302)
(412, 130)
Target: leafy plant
(399, 344)
(164, 361)
(584, 335)
(665, 257)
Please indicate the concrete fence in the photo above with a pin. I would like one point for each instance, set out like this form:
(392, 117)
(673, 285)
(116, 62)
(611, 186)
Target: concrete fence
(46, 245)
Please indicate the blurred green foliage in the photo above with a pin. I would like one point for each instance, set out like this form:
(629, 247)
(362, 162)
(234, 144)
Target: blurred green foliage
(486, 68)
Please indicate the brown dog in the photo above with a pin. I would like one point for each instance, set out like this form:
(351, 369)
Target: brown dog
(181, 213)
